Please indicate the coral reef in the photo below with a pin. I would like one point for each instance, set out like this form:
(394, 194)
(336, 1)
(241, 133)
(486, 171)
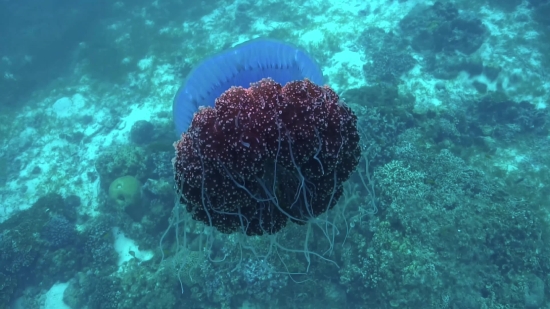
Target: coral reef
(442, 28)
(120, 161)
(38, 245)
(440, 199)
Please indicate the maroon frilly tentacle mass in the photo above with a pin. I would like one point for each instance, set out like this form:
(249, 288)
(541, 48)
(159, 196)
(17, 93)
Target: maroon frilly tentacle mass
(266, 155)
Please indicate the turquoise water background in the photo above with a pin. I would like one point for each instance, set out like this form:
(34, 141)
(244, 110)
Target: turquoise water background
(448, 208)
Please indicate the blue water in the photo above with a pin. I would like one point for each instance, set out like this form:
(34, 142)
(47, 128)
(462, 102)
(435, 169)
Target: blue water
(446, 205)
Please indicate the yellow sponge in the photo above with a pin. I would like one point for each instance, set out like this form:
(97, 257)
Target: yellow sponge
(125, 191)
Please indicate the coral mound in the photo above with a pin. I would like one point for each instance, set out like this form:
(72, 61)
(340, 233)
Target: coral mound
(266, 155)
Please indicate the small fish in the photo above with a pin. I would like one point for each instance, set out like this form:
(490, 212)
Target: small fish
(429, 181)
(520, 180)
